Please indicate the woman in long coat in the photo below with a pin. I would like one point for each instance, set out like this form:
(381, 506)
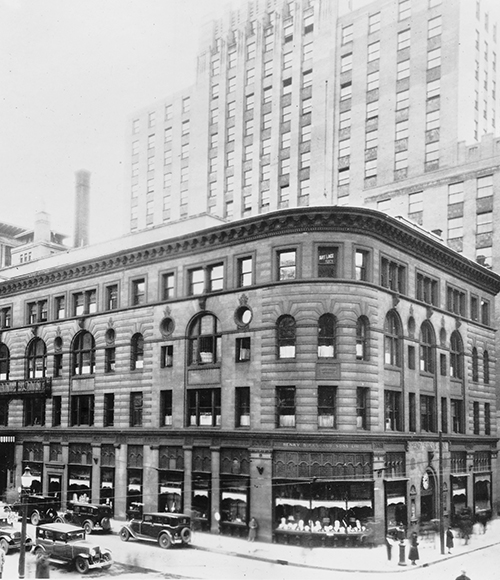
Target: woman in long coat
(413, 553)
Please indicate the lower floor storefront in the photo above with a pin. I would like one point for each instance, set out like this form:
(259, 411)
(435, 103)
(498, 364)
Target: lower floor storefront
(308, 492)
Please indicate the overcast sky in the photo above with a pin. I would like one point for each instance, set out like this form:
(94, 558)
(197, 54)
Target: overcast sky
(71, 72)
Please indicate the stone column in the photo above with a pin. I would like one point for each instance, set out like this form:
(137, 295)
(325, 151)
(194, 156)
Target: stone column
(150, 478)
(261, 492)
(214, 528)
(379, 497)
(188, 475)
(64, 482)
(120, 481)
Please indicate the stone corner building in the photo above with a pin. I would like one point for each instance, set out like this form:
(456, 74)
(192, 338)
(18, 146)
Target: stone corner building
(299, 364)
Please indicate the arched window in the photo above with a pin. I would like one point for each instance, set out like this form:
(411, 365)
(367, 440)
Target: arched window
(362, 336)
(486, 367)
(286, 336)
(36, 359)
(456, 356)
(392, 342)
(427, 348)
(137, 352)
(4, 362)
(204, 340)
(327, 336)
(83, 353)
(475, 365)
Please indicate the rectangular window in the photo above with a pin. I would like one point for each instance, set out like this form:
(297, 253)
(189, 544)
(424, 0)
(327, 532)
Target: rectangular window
(287, 265)
(373, 23)
(404, 9)
(484, 223)
(427, 414)
(404, 39)
(393, 275)
(58, 364)
(109, 410)
(347, 33)
(402, 100)
(434, 27)
(204, 407)
(167, 356)
(6, 317)
(82, 410)
(346, 63)
(475, 417)
(457, 422)
(59, 307)
(372, 81)
(412, 412)
(427, 289)
(138, 291)
(403, 70)
(374, 51)
(485, 312)
(167, 286)
(327, 403)
(37, 312)
(487, 419)
(215, 278)
(285, 406)
(361, 262)
(34, 411)
(327, 262)
(136, 401)
(109, 359)
(455, 228)
(485, 186)
(56, 411)
(393, 419)
(166, 408)
(434, 58)
(345, 91)
(243, 349)
(242, 406)
(362, 394)
(411, 357)
(444, 415)
(111, 296)
(196, 281)
(474, 307)
(186, 104)
(455, 301)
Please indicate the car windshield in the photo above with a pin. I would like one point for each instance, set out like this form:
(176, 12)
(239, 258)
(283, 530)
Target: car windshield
(72, 536)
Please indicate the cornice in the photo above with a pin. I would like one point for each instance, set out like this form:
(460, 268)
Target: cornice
(372, 223)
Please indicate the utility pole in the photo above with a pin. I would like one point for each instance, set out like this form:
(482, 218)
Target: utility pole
(441, 494)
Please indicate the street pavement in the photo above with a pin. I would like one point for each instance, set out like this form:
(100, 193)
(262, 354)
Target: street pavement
(138, 559)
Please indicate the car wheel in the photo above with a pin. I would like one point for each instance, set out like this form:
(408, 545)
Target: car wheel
(28, 544)
(107, 559)
(4, 545)
(81, 565)
(35, 518)
(164, 541)
(88, 526)
(105, 524)
(124, 535)
(186, 535)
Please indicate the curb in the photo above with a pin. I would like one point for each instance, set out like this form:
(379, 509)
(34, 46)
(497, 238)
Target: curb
(283, 562)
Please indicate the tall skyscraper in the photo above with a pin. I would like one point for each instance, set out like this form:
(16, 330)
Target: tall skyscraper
(314, 102)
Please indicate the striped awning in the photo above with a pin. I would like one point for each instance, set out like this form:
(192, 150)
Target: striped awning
(7, 438)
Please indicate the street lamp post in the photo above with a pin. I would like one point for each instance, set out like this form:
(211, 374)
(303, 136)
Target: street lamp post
(26, 479)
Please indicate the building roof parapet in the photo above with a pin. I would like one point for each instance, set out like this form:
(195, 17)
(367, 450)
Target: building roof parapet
(395, 233)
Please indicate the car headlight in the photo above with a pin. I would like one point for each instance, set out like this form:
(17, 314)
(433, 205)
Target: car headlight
(92, 552)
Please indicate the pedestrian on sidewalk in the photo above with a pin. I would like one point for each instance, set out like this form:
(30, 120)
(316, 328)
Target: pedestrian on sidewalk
(449, 540)
(2, 561)
(389, 543)
(252, 530)
(413, 554)
(463, 576)
(42, 566)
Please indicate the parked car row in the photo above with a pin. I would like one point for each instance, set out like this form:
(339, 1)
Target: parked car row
(64, 538)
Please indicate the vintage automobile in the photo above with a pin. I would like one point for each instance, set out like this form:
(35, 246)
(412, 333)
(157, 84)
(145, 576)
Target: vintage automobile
(10, 539)
(40, 509)
(89, 516)
(67, 544)
(167, 529)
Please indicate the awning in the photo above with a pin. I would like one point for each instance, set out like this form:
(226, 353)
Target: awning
(484, 477)
(164, 489)
(234, 495)
(200, 492)
(395, 500)
(289, 501)
(459, 491)
(359, 503)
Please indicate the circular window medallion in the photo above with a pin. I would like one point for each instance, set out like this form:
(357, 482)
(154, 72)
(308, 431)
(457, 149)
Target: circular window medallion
(243, 316)
(110, 336)
(167, 326)
(58, 343)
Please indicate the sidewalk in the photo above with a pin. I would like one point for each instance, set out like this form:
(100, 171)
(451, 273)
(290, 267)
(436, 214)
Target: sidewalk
(345, 559)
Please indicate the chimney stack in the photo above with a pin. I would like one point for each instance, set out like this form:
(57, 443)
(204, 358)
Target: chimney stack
(82, 208)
